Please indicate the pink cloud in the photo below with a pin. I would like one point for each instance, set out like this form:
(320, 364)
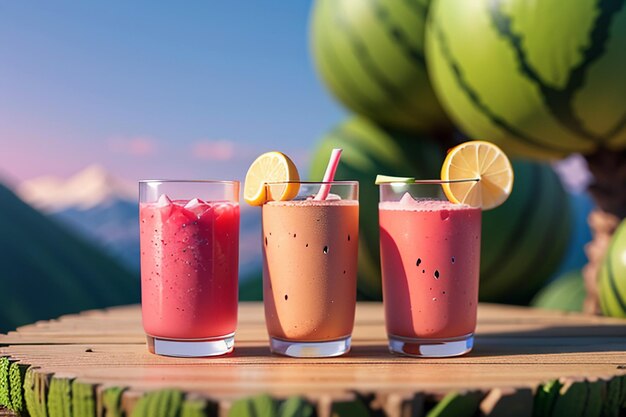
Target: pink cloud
(135, 145)
(214, 150)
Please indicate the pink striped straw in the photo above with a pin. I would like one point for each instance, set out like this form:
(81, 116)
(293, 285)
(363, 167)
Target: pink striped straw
(329, 176)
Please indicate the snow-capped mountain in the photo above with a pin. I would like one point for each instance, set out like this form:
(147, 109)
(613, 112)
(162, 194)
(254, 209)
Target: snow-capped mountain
(87, 189)
(50, 271)
(103, 208)
(94, 203)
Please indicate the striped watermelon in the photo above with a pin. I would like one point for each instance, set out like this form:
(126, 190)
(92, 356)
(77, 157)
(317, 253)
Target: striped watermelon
(523, 240)
(369, 150)
(566, 293)
(613, 276)
(539, 78)
(370, 55)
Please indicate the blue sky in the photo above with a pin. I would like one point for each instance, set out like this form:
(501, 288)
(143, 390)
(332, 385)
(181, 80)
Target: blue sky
(193, 89)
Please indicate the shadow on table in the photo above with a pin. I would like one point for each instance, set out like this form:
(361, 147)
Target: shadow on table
(553, 340)
(357, 351)
(545, 341)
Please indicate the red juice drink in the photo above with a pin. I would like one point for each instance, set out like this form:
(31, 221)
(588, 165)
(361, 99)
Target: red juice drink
(189, 270)
(430, 254)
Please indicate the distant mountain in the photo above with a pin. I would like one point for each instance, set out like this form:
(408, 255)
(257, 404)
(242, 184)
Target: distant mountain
(114, 226)
(47, 270)
(89, 188)
(103, 209)
(94, 203)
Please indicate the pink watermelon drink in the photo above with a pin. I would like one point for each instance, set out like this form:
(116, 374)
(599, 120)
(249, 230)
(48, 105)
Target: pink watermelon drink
(430, 253)
(189, 266)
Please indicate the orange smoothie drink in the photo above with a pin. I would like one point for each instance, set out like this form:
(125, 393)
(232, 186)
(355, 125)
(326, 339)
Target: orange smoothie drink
(189, 238)
(430, 256)
(310, 251)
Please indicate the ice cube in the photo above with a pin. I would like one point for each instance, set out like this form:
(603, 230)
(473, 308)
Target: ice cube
(222, 208)
(197, 207)
(164, 206)
(330, 196)
(195, 203)
(163, 201)
(407, 200)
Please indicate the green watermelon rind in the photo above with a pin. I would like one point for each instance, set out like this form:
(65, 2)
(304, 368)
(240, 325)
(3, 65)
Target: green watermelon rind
(483, 77)
(370, 56)
(612, 276)
(538, 221)
(565, 293)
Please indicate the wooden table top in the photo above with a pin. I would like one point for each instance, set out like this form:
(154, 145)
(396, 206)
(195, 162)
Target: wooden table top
(524, 361)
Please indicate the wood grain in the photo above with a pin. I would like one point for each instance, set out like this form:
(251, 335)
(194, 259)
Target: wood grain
(518, 350)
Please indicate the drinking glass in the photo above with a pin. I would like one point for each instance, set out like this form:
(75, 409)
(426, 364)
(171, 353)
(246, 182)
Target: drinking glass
(189, 238)
(310, 251)
(430, 257)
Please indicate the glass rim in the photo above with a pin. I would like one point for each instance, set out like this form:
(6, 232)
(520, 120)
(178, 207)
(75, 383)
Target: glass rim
(232, 182)
(431, 182)
(314, 182)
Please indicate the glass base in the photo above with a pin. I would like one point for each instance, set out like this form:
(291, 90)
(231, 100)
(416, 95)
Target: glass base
(191, 348)
(431, 348)
(310, 349)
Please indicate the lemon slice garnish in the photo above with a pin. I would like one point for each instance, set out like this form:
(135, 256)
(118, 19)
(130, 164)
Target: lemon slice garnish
(479, 160)
(271, 167)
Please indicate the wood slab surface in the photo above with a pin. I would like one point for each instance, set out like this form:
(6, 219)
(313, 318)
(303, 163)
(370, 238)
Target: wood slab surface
(525, 362)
